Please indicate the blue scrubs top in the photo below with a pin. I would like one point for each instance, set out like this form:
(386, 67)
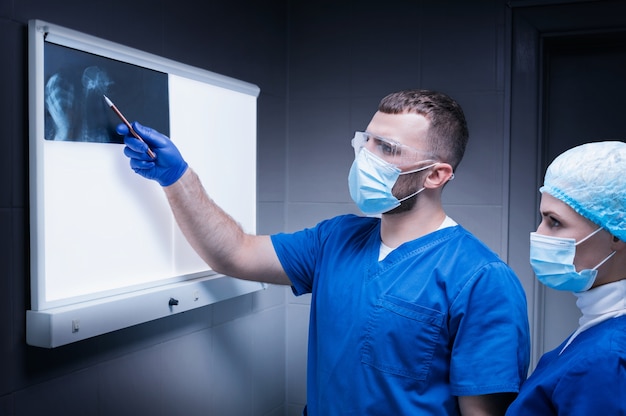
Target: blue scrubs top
(588, 378)
(441, 316)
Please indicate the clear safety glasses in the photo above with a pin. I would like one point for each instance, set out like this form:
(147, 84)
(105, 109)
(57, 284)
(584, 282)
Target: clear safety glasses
(398, 154)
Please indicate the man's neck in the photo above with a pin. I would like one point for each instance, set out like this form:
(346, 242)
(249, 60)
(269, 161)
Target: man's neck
(397, 229)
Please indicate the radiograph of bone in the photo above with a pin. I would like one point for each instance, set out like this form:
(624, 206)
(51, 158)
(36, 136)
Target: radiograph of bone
(59, 95)
(77, 113)
(75, 82)
(95, 83)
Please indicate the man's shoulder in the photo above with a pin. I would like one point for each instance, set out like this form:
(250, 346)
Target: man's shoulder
(469, 241)
(349, 221)
(470, 252)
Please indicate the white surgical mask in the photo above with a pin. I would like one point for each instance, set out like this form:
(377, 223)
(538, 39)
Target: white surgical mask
(371, 181)
(552, 259)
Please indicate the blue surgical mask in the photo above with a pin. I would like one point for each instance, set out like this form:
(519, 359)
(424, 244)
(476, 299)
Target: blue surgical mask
(552, 259)
(371, 181)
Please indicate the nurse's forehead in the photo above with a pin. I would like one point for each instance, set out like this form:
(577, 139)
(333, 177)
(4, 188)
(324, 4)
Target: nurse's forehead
(552, 206)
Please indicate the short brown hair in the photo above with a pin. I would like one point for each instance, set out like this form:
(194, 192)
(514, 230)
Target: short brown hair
(447, 134)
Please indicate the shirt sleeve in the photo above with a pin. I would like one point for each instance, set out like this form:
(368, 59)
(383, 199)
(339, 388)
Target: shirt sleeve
(491, 350)
(296, 253)
(300, 252)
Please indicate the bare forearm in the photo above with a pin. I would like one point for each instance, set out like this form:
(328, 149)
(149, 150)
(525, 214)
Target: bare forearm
(486, 405)
(218, 238)
(209, 230)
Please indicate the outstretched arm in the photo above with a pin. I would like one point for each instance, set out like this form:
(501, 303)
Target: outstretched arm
(218, 239)
(213, 234)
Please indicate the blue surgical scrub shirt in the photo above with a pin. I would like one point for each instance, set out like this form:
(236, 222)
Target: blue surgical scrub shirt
(441, 316)
(587, 378)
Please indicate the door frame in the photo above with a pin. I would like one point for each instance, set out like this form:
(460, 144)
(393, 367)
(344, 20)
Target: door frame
(531, 23)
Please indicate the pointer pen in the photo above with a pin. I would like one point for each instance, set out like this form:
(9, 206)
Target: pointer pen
(130, 128)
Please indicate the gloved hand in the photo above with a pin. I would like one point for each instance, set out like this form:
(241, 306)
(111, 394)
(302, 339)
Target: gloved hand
(166, 168)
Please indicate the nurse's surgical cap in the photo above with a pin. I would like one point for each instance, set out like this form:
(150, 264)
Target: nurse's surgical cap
(591, 179)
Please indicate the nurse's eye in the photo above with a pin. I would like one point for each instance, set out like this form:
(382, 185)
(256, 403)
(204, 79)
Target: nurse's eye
(550, 221)
(553, 222)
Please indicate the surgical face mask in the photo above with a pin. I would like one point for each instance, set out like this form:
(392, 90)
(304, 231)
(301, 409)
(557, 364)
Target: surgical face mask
(371, 181)
(552, 259)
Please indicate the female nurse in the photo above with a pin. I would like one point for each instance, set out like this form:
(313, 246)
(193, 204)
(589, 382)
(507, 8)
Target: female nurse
(580, 247)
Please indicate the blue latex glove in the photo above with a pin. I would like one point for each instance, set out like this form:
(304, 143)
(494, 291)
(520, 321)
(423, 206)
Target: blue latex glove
(166, 168)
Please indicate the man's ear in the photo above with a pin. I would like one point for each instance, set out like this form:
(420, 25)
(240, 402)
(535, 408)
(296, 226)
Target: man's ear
(439, 176)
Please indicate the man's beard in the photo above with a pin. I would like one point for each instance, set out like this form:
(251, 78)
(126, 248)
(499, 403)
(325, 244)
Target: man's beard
(404, 186)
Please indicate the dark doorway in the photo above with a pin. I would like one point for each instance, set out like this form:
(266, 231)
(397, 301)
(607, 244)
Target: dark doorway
(584, 86)
(568, 67)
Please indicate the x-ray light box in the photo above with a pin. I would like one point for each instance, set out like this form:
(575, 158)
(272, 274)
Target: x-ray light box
(106, 252)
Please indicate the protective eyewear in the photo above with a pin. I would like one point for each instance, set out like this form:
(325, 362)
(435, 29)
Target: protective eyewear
(389, 150)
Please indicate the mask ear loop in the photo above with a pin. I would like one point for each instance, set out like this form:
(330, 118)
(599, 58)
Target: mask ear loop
(423, 187)
(412, 195)
(589, 236)
(420, 169)
(430, 166)
(605, 260)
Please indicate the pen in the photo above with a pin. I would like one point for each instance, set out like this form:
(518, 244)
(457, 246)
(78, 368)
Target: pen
(130, 128)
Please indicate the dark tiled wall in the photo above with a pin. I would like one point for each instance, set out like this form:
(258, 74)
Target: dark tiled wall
(226, 359)
(322, 67)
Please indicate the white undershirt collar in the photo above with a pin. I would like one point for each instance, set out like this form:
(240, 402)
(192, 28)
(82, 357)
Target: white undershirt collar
(599, 304)
(385, 249)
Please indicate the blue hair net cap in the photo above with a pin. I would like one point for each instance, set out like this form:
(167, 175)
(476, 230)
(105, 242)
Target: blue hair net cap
(591, 178)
